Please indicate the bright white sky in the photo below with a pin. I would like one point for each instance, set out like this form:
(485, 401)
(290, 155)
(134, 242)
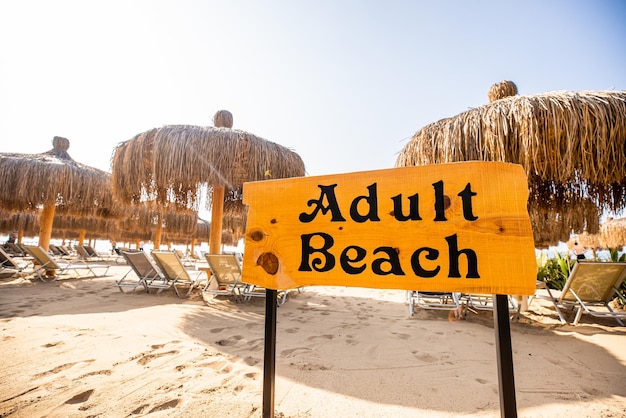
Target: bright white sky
(345, 84)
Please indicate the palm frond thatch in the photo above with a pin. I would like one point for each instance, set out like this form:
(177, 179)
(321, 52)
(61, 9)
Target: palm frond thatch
(171, 164)
(613, 233)
(31, 180)
(26, 222)
(553, 222)
(501, 90)
(571, 144)
(576, 140)
(223, 119)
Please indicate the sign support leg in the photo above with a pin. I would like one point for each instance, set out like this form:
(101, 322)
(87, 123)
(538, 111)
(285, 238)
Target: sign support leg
(502, 326)
(269, 357)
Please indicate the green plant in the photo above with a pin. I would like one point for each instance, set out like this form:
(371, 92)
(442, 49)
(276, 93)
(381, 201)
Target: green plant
(554, 271)
(615, 256)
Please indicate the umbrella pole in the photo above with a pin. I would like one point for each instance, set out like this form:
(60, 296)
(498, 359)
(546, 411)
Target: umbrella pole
(158, 233)
(45, 222)
(45, 233)
(217, 212)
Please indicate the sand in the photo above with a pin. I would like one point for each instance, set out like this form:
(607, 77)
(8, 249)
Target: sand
(81, 348)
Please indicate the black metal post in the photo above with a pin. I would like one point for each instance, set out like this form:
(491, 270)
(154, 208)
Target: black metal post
(506, 381)
(269, 357)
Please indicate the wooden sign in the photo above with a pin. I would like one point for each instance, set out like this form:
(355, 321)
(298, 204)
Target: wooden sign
(460, 227)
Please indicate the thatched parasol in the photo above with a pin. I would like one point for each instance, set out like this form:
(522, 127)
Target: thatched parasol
(172, 166)
(571, 144)
(150, 222)
(53, 180)
(613, 233)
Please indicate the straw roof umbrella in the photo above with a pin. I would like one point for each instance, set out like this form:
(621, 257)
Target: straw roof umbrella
(20, 222)
(145, 222)
(613, 233)
(52, 180)
(173, 164)
(571, 144)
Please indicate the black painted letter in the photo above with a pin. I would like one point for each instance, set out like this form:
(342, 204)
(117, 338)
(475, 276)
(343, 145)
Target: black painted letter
(454, 253)
(319, 264)
(372, 202)
(329, 192)
(466, 197)
(413, 215)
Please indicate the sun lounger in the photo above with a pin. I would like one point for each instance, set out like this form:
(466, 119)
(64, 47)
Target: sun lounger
(590, 285)
(43, 262)
(433, 300)
(85, 252)
(484, 302)
(54, 250)
(59, 251)
(226, 279)
(15, 249)
(10, 265)
(143, 270)
(175, 272)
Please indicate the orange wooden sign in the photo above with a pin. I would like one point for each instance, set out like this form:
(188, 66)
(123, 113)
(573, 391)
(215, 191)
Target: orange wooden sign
(460, 227)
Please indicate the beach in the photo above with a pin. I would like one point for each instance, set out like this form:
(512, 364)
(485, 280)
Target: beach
(78, 347)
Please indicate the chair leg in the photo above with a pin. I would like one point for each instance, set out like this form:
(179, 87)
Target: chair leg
(619, 321)
(579, 313)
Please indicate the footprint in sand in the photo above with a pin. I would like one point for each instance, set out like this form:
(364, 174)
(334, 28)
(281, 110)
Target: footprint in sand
(220, 366)
(230, 341)
(425, 357)
(96, 373)
(147, 358)
(157, 346)
(139, 409)
(292, 352)
(165, 405)
(251, 361)
(216, 330)
(54, 344)
(60, 368)
(292, 330)
(80, 398)
(325, 337)
(351, 340)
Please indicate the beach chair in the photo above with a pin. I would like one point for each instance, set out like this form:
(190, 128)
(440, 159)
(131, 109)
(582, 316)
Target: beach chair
(175, 272)
(10, 265)
(66, 250)
(59, 251)
(590, 285)
(15, 249)
(145, 272)
(484, 302)
(185, 259)
(449, 301)
(225, 277)
(226, 280)
(43, 262)
(54, 250)
(86, 252)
